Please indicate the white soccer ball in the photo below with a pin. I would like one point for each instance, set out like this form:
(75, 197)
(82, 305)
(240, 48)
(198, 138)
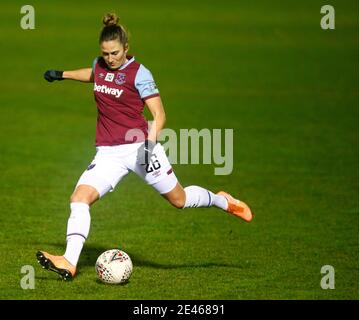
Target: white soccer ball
(114, 266)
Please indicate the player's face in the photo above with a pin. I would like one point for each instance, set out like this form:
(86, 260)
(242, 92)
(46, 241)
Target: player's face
(114, 53)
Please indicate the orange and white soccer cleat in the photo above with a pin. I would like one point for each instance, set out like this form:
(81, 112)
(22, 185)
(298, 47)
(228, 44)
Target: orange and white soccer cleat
(58, 264)
(237, 208)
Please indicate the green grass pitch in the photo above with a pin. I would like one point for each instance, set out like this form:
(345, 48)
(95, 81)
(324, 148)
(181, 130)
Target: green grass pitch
(266, 69)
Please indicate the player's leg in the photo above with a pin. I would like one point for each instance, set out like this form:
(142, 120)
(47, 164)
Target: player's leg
(99, 178)
(194, 197)
(197, 197)
(78, 227)
(78, 224)
(159, 174)
(85, 194)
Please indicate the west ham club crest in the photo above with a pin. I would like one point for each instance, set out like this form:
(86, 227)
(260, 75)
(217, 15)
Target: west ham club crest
(120, 78)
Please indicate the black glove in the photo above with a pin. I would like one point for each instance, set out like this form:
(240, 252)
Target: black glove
(51, 75)
(145, 151)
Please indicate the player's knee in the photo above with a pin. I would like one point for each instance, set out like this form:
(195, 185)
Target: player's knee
(178, 202)
(79, 198)
(176, 197)
(85, 195)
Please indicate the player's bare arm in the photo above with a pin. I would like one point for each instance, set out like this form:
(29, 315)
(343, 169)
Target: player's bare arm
(83, 75)
(155, 106)
(159, 117)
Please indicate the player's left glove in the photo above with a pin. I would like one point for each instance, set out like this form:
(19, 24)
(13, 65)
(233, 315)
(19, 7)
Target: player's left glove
(145, 151)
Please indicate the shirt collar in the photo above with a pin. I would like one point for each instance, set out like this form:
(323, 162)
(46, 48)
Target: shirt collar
(130, 60)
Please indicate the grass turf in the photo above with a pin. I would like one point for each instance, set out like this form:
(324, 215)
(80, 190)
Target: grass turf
(288, 89)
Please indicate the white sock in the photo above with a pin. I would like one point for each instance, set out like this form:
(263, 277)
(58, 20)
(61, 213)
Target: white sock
(78, 227)
(200, 197)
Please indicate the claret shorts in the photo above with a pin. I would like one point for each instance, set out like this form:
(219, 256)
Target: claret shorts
(112, 163)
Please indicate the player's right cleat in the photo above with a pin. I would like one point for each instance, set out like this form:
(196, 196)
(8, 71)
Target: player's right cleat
(237, 208)
(57, 264)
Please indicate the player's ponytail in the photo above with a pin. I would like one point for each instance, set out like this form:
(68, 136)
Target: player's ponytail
(113, 30)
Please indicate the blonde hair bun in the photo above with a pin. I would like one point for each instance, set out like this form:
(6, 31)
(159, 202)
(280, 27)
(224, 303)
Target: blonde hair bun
(110, 19)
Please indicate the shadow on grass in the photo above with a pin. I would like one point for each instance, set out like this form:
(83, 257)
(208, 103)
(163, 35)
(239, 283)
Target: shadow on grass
(90, 254)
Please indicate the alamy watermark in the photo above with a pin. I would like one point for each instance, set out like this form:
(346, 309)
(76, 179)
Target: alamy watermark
(193, 146)
(28, 20)
(328, 20)
(28, 280)
(328, 280)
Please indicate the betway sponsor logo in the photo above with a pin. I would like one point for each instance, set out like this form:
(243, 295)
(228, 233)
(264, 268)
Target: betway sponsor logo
(105, 89)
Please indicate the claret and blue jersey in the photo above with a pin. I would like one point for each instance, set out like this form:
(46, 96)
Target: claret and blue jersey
(120, 97)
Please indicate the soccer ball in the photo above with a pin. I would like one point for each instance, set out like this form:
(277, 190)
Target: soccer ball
(114, 266)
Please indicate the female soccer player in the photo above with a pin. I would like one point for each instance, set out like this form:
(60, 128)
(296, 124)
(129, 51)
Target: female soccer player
(122, 87)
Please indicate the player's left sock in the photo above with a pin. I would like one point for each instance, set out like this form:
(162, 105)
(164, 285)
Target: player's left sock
(199, 197)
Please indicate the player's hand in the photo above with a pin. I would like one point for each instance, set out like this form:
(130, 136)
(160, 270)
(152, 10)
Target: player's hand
(51, 75)
(145, 151)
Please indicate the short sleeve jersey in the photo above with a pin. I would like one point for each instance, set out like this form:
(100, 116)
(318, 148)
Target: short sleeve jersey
(120, 97)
